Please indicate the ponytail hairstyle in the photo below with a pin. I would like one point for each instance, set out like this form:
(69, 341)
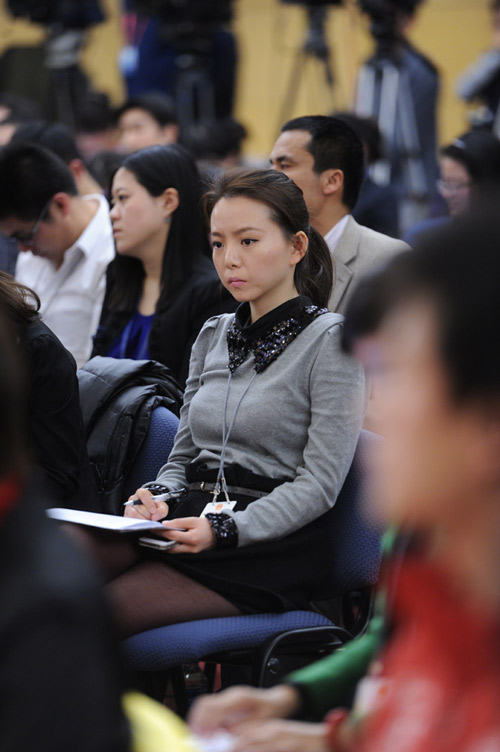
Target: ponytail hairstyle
(314, 274)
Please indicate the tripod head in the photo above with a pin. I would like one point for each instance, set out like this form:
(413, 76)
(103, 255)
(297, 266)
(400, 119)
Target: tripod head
(387, 19)
(315, 42)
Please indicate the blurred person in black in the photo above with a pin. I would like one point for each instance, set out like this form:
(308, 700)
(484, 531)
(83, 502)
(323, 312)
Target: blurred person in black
(59, 680)
(95, 124)
(218, 146)
(59, 139)
(184, 49)
(54, 427)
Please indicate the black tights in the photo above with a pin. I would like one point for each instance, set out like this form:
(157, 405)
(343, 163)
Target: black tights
(147, 593)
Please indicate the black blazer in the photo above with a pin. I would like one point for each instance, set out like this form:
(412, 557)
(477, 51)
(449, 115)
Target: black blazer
(59, 674)
(174, 329)
(54, 420)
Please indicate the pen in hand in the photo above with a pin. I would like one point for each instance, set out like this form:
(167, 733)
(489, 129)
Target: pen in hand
(160, 497)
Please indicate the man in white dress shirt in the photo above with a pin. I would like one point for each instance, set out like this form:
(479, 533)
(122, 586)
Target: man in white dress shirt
(325, 158)
(66, 241)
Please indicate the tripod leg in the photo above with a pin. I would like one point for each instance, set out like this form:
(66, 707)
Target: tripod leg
(410, 143)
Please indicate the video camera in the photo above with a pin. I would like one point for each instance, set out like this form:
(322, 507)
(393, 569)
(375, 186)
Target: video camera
(63, 14)
(384, 16)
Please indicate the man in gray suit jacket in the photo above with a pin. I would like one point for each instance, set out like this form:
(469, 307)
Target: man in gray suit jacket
(325, 158)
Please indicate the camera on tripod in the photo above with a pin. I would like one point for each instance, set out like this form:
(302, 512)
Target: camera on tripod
(386, 17)
(63, 14)
(189, 24)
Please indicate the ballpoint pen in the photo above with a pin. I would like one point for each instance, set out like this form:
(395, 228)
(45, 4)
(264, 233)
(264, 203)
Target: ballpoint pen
(161, 497)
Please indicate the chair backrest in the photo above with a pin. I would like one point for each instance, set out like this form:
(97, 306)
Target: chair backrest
(354, 535)
(155, 451)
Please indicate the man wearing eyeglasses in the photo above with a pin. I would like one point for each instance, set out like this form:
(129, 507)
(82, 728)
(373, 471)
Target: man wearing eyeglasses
(66, 241)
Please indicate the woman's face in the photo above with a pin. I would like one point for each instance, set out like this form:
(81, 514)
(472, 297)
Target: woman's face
(455, 185)
(434, 464)
(138, 218)
(253, 258)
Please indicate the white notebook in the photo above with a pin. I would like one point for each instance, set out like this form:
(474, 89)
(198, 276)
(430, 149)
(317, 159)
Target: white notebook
(103, 521)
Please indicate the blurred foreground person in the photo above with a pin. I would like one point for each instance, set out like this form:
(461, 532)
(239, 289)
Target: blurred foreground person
(58, 679)
(436, 683)
(55, 433)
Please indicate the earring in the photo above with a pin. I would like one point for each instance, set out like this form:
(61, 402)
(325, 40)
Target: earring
(167, 219)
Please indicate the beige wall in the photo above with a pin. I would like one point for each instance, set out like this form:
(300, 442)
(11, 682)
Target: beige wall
(451, 32)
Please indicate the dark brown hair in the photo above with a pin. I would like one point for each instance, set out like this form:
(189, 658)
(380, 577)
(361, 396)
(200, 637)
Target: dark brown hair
(18, 307)
(314, 274)
(18, 304)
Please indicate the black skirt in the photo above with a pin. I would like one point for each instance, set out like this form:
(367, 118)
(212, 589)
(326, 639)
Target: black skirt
(274, 576)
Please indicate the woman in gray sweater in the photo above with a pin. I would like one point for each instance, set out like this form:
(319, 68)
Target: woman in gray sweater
(271, 417)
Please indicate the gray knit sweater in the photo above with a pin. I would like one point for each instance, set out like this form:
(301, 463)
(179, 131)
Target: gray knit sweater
(300, 420)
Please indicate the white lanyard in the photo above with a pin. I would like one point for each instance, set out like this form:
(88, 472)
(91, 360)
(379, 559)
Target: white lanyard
(220, 484)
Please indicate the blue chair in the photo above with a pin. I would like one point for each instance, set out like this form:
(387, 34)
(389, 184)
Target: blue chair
(273, 644)
(155, 451)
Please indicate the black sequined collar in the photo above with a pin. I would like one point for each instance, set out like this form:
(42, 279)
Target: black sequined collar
(268, 337)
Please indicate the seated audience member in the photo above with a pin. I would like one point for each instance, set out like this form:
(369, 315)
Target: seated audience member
(55, 432)
(434, 686)
(14, 111)
(162, 286)
(469, 174)
(325, 158)
(103, 165)
(59, 139)
(65, 239)
(58, 672)
(377, 204)
(95, 124)
(218, 146)
(146, 120)
(275, 363)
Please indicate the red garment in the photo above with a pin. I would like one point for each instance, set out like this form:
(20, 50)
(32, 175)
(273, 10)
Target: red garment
(443, 667)
(10, 491)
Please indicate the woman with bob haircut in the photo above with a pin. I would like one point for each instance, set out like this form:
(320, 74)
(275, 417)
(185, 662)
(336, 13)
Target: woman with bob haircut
(162, 286)
(271, 417)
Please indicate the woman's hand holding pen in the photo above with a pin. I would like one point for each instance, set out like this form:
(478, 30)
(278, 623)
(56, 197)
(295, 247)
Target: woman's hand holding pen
(149, 508)
(196, 534)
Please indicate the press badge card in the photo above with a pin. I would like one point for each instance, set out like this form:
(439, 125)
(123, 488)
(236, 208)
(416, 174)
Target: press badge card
(214, 507)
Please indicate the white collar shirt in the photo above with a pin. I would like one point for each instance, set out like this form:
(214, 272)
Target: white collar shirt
(333, 235)
(71, 296)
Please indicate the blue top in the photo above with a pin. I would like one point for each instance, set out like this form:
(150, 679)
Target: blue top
(132, 342)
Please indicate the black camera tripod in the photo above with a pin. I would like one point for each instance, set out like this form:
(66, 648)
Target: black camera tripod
(315, 48)
(384, 93)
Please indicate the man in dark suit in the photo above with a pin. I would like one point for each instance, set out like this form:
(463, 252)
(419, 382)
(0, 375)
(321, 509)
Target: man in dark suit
(325, 158)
